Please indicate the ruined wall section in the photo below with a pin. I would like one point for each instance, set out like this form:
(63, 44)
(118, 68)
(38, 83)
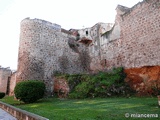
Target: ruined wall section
(94, 33)
(43, 51)
(12, 84)
(139, 42)
(4, 79)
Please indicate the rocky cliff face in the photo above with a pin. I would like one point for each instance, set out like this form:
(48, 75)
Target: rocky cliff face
(144, 79)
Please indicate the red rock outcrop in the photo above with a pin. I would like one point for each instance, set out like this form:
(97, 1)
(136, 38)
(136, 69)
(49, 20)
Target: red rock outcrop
(61, 87)
(144, 79)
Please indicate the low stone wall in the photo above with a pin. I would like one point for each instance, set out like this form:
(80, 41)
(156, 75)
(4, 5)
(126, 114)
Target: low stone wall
(20, 114)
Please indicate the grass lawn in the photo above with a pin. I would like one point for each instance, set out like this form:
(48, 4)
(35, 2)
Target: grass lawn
(90, 109)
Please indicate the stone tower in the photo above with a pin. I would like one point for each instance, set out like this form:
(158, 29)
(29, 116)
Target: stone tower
(43, 50)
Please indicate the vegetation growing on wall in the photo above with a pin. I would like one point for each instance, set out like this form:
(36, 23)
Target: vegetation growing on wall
(155, 87)
(102, 84)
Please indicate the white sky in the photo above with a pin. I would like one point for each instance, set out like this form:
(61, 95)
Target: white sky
(67, 13)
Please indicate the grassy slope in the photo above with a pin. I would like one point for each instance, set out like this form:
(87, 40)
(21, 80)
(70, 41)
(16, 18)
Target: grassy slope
(89, 109)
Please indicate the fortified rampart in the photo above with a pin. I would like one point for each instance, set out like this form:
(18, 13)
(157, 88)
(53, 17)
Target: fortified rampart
(7, 81)
(132, 42)
(44, 50)
(5, 74)
(139, 42)
(94, 35)
(11, 84)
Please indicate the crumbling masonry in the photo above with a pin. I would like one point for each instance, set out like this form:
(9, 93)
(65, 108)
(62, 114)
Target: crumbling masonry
(133, 41)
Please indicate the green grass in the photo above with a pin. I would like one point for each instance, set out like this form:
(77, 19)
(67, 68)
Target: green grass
(89, 109)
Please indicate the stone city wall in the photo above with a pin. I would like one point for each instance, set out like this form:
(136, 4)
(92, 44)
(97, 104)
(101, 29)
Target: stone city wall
(43, 51)
(133, 42)
(138, 44)
(5, 74)
(94, 33)
(12, 84)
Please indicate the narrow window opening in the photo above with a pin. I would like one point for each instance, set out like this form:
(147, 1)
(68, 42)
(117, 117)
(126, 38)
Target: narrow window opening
(86, 32)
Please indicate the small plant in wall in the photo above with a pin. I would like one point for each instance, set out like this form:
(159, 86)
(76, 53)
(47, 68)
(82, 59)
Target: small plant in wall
(29, 91)
(101, 84)
(156, 89)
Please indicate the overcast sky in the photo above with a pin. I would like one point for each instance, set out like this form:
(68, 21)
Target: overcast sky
(67, 13)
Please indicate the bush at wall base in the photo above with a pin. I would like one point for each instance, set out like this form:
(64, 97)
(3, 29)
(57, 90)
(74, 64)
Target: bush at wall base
(2, 94)
(29, 91)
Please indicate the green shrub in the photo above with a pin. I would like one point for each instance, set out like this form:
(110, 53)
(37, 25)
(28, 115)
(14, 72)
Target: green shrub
(102, 84)
(2, 94)
(29, 91)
